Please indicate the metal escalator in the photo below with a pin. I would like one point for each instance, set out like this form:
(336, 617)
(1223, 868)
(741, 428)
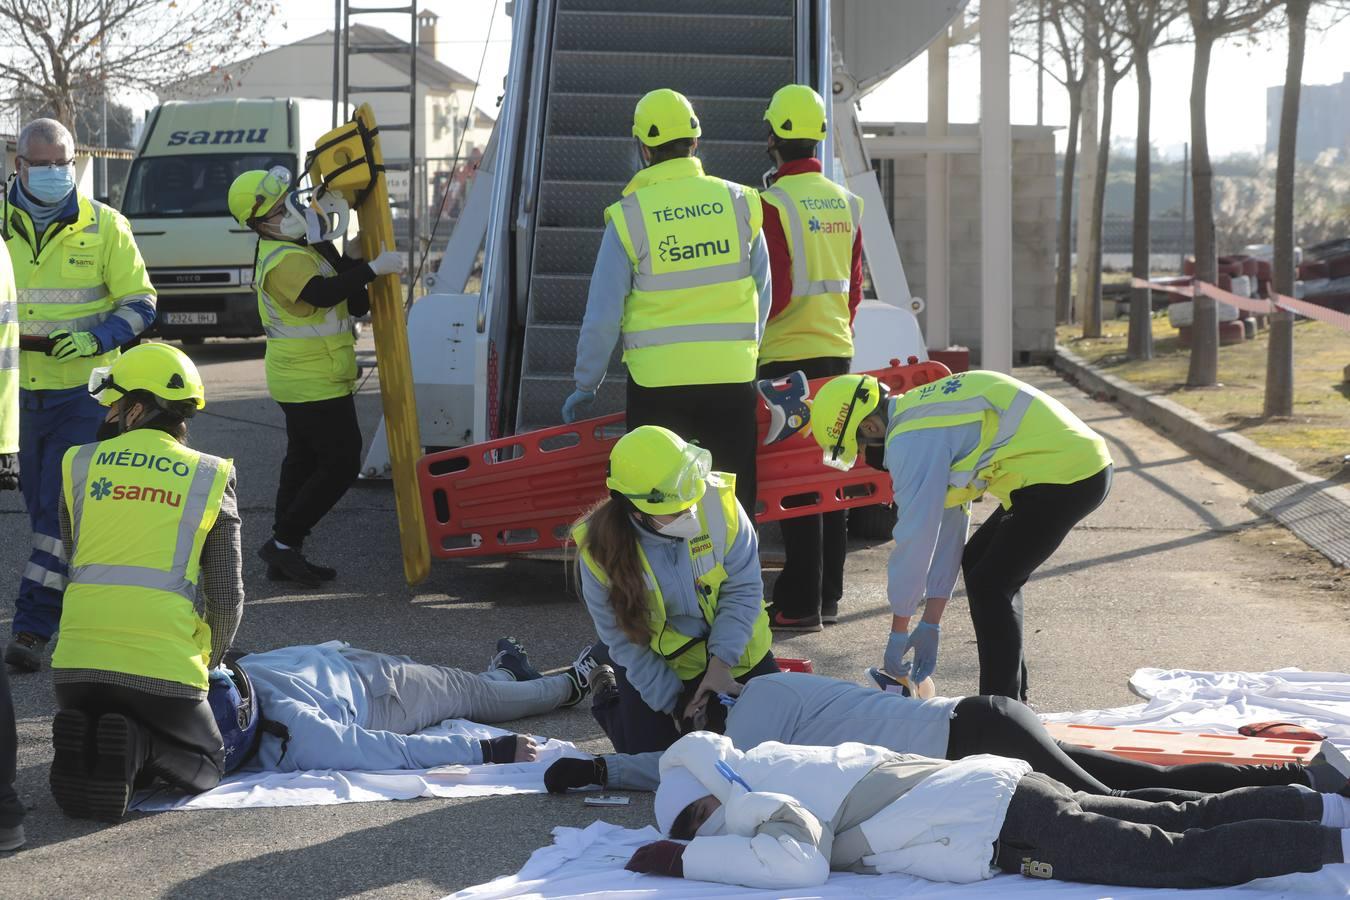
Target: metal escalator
(599, 56)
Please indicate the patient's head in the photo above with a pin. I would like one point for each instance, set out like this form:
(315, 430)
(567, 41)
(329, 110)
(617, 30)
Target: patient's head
(692, 817)
(683, 803)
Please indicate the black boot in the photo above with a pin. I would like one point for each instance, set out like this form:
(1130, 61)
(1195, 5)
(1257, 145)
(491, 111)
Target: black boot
(289, 564)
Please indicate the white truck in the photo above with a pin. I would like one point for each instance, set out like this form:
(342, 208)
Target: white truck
(200, 260)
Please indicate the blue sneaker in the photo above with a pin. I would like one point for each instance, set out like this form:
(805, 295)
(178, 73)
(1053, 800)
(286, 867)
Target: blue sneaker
(511, 658)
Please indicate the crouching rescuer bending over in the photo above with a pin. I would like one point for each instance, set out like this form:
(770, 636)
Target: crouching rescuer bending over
(307, 296)
(147, 523)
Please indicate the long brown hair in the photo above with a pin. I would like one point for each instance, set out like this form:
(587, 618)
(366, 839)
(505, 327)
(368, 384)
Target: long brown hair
(611, 540)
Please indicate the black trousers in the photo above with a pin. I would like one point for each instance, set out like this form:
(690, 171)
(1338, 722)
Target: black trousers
(11, 807)
(323, 458)
(183, 744)
(720, 418)
(813, 573)
(1005, 727)
(634, 727)
(1219, 839)
(1000, 557)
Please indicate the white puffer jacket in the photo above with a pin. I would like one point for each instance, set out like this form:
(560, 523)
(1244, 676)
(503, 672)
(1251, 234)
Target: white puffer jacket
(943, 829)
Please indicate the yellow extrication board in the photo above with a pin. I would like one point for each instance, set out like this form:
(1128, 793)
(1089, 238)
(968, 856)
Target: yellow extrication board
(347, 161)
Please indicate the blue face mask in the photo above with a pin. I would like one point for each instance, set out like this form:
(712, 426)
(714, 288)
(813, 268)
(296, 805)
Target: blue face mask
(50, 184)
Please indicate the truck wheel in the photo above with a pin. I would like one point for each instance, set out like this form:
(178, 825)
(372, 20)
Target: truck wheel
(872, 523)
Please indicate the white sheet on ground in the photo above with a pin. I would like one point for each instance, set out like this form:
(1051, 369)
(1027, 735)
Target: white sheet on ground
(326, 787)
(589, 862)
(1188, 700)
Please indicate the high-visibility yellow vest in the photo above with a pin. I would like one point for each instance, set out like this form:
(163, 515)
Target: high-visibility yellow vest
(9, 360)
(820, 220)
(693, 314)
(141, 505)
(309, 357)
(719, 520)
(1026, 436)
(73, 280)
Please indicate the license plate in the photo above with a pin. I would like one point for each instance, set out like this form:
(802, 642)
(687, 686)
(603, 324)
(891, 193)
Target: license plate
(189, 318)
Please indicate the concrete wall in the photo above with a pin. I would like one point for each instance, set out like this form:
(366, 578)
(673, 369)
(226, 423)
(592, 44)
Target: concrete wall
(1034, 214)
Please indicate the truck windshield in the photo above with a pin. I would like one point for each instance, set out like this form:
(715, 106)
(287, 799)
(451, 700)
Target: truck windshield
(196, 185)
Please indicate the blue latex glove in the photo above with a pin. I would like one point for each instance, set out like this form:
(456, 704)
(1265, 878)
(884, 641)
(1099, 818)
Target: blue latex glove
(220, 674)
(576, 399)
(923, 640)
(893, 663)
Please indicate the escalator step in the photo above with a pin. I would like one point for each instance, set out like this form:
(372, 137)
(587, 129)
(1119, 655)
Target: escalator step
(689, 73)
(692, 7)
(615, 159)
(665, 32)
(585, 115)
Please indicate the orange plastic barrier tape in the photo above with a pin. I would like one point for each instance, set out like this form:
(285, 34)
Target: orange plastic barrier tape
(523, 493)
(348, 161)
(1166, 747)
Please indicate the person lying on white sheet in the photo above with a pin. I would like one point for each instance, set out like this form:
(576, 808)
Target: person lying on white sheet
(798, 708)
(783, 816)
(333, 706)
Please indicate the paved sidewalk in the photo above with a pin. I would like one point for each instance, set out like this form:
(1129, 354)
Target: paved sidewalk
(1171, 571)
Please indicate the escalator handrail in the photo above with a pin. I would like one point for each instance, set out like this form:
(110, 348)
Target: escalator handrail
(495, 243)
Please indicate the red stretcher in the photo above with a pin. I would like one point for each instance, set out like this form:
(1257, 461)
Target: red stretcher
(523, 493)
(1165, 747)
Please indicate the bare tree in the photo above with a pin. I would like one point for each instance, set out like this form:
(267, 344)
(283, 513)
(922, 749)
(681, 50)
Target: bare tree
(1145, 28)
(1279, 395)
(1111, 47)
(1063, 19)
(1211, 20)
(65, 50)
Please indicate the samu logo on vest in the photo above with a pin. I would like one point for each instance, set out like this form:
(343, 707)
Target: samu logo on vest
(104, 489)
(80, 262)
(671, 250)
(820, 227)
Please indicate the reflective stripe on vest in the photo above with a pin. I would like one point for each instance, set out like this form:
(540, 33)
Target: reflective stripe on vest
(9, 360)
(802, 286)
(332, 323)
(645, 280)
(678, 334)
(62, 295)
(195, 508)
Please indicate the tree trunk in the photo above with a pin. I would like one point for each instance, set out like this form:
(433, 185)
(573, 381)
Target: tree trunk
(1279, 400)
(1064, 270)
(1140, 343)
(1204, 365)
(1092, 310)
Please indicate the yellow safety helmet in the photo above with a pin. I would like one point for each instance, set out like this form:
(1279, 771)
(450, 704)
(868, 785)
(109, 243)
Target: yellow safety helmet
(256, 193)
(662, 116)
(658, 471)
(164, 371)
(796, 113)
(836, 412)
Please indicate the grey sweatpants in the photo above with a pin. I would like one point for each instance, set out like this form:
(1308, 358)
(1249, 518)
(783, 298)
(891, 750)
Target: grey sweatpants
(1219, 839)
(407, 696)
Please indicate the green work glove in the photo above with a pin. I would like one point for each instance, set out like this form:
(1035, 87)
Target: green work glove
(72, 344)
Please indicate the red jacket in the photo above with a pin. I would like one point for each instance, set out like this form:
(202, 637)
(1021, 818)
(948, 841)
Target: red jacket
(780, 263)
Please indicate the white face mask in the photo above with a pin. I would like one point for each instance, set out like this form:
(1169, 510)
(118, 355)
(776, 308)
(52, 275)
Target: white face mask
(686, 526)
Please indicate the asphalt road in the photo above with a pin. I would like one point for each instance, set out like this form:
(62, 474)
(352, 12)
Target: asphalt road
(1172, 571)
